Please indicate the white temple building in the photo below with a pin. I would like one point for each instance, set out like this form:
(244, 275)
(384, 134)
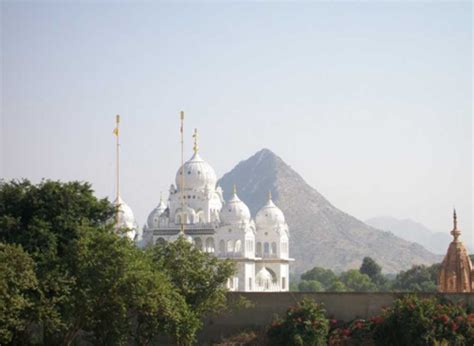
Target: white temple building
(224, 228)
(125, 219)
(196, 209)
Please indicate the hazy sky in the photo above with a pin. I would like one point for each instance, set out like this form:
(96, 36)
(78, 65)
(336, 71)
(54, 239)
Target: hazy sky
(370, 102)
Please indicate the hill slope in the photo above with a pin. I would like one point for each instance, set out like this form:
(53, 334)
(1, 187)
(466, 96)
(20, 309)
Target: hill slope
(320, 234)
(436, 242)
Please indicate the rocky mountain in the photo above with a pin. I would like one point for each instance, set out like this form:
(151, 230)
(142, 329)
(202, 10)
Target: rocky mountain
(413, 231)
(320, 234)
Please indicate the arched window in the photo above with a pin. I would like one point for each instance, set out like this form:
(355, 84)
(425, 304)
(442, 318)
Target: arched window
(161, 241)
(210, 245)
(222, 247)
(199, 217)
(274, 248)
(178, 219)
(249, 245)
(238, 246)
(230, 246)
(259, 249)
(266, 248)
(198, 243)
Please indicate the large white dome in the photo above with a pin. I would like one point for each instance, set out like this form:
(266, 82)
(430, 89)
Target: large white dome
(126, 219)
(235, 211)
(154, 217)
(197, 174)
(269, 215)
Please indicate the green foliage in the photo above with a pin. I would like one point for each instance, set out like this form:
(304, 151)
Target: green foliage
(304, 324)
(355, 281)
(374, 271)
(370, 268)
(419, 278)
(310, 286)
(319, 279)
(325, 276)
(415, 321)
(337, 286)
(369, 278)
(45, 220)
(18, 285)
(86, 279)
(294, 286)
(198, 276)
(410, 321)
(357, 332)
(245, 338)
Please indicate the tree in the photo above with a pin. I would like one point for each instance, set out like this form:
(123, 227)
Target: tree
(310, 286)
(370, 268)
(89, 279)
(293, 287)
(17, 285)
(322, 275)
(45, 220)
(117, 288)
(337, 286)
(419, 278)
(356, 281)
(198, 276)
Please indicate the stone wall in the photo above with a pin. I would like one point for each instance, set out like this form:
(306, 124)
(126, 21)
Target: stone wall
(341, 306)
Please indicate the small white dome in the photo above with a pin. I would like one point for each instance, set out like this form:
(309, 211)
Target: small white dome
(198, 174)
(234, 211)
(154, 217)
(126, 219)
(269, 215)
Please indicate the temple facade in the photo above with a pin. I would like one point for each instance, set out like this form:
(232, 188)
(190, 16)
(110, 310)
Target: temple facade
(456, 273)
(196, 209)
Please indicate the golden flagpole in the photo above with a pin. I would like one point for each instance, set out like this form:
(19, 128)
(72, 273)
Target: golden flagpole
(117, 167)
(182, 173)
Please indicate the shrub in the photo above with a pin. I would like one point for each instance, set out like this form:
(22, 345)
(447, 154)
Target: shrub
(415, 321)
(304, 324)
(358, 332)
(244, 338)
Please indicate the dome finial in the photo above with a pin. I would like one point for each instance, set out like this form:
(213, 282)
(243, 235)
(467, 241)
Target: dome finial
(196, 138)
(161, 196)
(455, 219)
(234, 189)
(270, 195)
(455, 232)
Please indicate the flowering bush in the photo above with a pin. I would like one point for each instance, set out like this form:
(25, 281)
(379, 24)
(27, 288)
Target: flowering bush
(415, 321)
(244, 338)
(410, 321)
(304, 324)
(357, 332)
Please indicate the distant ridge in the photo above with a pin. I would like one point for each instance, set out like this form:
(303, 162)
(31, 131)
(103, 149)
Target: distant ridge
(320, 234)
(436, 242)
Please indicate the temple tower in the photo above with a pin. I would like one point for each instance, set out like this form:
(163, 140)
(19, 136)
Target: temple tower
(456, 273)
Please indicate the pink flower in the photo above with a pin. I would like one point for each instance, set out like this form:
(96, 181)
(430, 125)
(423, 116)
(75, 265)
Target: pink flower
(376, 319)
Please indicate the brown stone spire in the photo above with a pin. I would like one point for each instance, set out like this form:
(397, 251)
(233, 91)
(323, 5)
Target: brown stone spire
(456, 273)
